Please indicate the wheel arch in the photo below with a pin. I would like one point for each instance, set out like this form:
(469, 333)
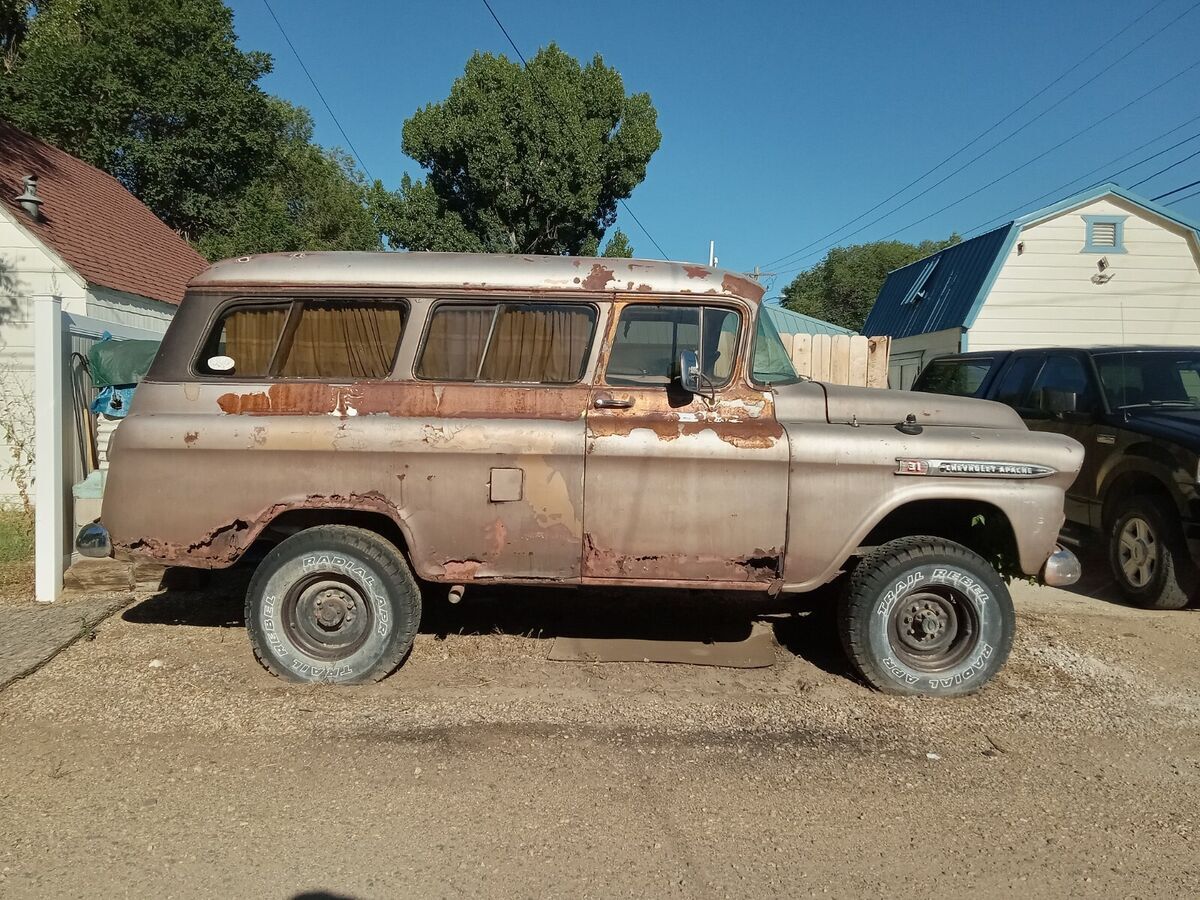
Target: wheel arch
(976, 524)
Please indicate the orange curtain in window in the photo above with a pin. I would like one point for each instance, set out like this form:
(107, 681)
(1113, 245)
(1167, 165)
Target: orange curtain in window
(344, 341)
(250, 336)
(455, 342)
(538, 345)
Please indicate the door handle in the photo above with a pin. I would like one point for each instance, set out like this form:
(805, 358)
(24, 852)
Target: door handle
(604, 401)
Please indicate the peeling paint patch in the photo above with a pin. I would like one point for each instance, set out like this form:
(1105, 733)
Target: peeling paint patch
(599, 278)
(697, 271)
(191, 437)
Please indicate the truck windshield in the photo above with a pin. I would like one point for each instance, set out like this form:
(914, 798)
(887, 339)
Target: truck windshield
(1144, 380)
(772, 362)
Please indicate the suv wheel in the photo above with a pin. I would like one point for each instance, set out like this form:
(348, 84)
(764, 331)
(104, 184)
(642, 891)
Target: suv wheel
(1147, 556)
(923, 615)
(332, 604)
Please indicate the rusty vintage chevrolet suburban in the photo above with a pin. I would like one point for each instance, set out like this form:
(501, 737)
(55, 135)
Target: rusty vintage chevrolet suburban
(372, 418)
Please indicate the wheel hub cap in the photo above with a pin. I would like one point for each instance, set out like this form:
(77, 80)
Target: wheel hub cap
(933, 630)
(1138, 551)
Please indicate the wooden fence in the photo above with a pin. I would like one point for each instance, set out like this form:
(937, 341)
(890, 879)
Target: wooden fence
(841, 358)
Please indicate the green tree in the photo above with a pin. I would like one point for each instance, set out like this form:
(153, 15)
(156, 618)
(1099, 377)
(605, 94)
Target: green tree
(618, 246)
(307, 198)
(156, 92)
(523, 159)
(842, 287)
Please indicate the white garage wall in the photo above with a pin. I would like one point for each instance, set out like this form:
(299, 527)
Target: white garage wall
(1045, 296)
(29, 270)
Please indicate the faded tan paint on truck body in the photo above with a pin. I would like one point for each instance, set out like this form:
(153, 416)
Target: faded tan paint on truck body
(761, 488)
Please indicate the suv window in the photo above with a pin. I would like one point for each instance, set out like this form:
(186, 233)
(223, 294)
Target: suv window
(960, 377)
(508, 343)
(307, 339)
(645, 350)
(1062, 374)
(1016, 380)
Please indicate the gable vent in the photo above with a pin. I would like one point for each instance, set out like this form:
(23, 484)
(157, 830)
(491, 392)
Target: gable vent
(1104, 234)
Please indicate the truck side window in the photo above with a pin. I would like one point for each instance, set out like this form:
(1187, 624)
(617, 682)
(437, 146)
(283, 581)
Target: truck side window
(325, 339)
(343, 339)
(1015, 382)
(1063, 376)
(645, 350)
(248, 335)
(507, 343)
(960, 377)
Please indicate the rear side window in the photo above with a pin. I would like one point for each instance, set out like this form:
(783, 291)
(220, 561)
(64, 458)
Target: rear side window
(645, 350)
(1017, 379)
(507, 343)
(343, 340)
(960, 377)
(1062, 376)
(325, 339)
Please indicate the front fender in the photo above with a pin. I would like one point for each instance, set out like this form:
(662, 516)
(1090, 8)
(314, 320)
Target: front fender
(843, 481)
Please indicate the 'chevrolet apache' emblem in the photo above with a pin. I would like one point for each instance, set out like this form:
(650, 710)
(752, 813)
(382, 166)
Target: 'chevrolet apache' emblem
(971, 468)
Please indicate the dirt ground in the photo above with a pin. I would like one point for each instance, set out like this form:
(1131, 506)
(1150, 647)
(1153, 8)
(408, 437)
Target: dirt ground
(158, 760)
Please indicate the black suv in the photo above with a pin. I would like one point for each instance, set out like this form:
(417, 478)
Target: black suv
(1136, 410)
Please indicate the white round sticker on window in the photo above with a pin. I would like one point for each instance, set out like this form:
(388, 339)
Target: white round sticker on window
(220, 363)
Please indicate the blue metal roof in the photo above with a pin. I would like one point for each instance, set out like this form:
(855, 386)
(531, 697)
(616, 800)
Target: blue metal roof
(939, 291)
(947, 290)
(790, 322)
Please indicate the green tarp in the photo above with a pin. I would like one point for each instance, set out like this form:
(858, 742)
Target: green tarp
(120, 362)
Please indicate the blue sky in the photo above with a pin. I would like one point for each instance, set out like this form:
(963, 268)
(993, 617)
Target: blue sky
(782, 121)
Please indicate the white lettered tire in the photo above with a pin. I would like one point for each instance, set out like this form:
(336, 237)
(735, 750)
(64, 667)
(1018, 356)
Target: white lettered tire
(333, 604)
(924, 615)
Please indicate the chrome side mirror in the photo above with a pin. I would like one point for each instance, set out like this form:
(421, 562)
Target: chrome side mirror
(689, 371)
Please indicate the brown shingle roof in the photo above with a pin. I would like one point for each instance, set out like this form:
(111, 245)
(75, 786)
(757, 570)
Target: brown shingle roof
(105, 233)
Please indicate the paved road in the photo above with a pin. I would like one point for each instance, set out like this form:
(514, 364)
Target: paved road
(158, 760)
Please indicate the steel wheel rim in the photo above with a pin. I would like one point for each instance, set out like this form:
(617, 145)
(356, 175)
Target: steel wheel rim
(933, 630)
(326, 615)
(1137, 550)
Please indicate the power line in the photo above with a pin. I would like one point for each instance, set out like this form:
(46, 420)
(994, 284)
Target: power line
(1110, 177)
(311, 81)
(1176, 191)
(1167, 169)
(1184, 197)
(517, 50)
(1013, 171)
(997, 124)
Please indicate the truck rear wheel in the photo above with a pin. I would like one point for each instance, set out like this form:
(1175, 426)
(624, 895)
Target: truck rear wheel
(924, 615)
(332, 604)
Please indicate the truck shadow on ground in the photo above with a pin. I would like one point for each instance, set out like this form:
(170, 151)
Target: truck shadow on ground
(803, 625)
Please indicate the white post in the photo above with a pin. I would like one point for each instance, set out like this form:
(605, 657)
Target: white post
(48, 448)
(712, 253)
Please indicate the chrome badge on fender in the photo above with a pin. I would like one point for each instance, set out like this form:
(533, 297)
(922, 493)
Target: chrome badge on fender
(971, 468)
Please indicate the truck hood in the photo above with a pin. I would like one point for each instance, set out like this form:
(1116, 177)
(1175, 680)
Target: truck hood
(815, 401)
(1182, 426)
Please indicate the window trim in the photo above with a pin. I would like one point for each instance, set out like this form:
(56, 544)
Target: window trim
(1090, 223)
(497, 302)
(602, 377)
(295, 305)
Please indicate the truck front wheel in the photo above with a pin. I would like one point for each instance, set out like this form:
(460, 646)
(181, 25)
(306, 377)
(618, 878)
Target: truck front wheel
(333, 604)
(924, 615)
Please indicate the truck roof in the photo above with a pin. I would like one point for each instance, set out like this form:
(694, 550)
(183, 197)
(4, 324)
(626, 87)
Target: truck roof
(527, 273)
(1096, 350)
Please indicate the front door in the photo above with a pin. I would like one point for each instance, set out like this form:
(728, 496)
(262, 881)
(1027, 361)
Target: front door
(681, 487)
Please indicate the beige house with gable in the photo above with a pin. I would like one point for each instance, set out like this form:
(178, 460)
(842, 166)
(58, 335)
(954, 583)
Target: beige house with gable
(1102, 267)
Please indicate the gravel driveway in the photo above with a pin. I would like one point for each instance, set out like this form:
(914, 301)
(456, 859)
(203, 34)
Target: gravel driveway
(158, 760)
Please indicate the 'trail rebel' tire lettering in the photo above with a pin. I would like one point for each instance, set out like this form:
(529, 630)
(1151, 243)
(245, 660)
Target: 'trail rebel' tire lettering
(924, 615)
(332, 604)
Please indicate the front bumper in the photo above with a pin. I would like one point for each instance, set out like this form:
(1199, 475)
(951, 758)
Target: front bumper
(93, 541)
(1061, 569)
